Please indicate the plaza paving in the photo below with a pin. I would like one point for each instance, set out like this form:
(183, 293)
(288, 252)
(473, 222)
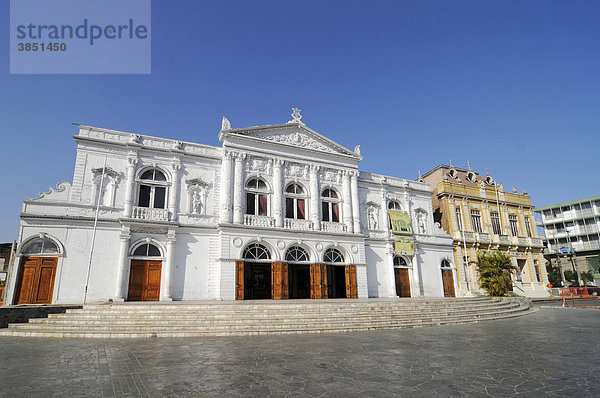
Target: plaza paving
(551, 353)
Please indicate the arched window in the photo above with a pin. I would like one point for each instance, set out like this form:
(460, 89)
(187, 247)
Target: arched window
(147, 250)
(41, 246)
(257, 195)
(153, 189)
(295, 202)
(394, 205)
(331, 205)
(256, 251)
(400, 261)
(333, 256)
(446, 264)
(296, 254)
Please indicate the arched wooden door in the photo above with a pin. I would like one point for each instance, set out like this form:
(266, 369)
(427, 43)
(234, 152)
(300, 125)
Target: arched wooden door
(36, 280)
(402, 282)
(144, 280)
(448, 281)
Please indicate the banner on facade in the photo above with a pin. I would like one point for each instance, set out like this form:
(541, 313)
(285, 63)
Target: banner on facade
(404, 245)
(400, 222)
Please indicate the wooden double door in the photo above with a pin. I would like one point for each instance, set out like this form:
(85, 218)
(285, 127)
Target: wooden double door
(402, 282)
(144, 280)
(36, 280)
(280, 280)
(448, 281)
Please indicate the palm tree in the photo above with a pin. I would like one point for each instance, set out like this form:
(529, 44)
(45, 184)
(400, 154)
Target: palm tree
(495, 269)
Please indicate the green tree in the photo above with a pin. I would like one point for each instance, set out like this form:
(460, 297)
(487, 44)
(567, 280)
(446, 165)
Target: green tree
(571, 276)
(554, 275)
(586, 276)
(495, 269)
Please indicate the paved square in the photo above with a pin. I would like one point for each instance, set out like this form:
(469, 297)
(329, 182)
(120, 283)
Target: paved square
(552, 353)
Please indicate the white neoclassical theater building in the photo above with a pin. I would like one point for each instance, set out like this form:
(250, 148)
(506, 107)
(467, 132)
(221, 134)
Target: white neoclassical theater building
(278, 211)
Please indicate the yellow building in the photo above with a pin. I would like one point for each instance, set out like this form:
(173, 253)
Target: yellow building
(480, 216)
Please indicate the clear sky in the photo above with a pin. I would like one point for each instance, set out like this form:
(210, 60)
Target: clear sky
(511, 85)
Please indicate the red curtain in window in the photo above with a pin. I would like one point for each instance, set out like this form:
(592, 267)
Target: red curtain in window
(336, 212)
(262, 199)
(301, 209)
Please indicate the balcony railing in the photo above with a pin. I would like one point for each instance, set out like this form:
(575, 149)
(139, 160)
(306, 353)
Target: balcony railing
(329, 226)
(148, 213)
(536, 242)
(258, 221)
(301, 225)
(523, 242)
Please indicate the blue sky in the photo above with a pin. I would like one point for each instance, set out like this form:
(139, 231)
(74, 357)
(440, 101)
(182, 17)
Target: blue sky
(510, 85)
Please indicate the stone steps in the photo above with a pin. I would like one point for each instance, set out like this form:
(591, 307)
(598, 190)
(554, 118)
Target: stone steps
(188, 320)
(91, 317)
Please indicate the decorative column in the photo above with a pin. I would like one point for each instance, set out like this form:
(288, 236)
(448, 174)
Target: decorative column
(174, 192)
(226, 166)
(123, 264)
(347, 201)
(168, 269)
(384, 222)
(315, 194)
(238, 189)
(355, 206)
(278, 192)
(132, 162)
(389, 255)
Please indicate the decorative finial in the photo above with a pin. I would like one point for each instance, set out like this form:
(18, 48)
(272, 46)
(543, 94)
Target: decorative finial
(469, 165)
(357, 150)
(451, 163)
(420, 179)
(296, 116)
(225, 124)
(486, 171)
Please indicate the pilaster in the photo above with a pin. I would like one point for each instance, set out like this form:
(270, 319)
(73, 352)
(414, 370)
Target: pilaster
(168, 269)
(174, 192)
(278, 192)
(238, 189)
(123, 264)
(315, 194)
(226, 166)
(347, 201)
(355, 201)
(129, 184)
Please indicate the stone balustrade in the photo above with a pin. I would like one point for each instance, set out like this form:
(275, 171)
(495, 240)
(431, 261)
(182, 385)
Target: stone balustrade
(148, 213)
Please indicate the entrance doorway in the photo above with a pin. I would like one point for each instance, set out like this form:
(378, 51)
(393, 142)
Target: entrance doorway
(402, 277)
(336, 281)
(402, 282)
(299, 278)
(447, 279)
(257, 281)
(36, 280)
(144, 280)
(299, 281)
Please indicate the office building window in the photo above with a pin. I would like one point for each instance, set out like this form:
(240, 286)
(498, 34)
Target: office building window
(527, 226)
(476, 220)
(496, 223)
(514, 225)
(459, 219)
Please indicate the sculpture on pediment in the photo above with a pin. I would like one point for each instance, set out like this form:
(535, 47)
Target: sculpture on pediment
(296, 116)
(357, 150)
(225, 124)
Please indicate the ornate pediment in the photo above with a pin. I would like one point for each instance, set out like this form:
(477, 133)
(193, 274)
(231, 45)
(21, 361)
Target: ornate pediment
(293, 134)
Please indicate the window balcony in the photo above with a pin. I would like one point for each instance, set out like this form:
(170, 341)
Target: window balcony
(259, 221)
(150, 214)
(483, 237)
(298, 224)
(328, 226)
(536, 242)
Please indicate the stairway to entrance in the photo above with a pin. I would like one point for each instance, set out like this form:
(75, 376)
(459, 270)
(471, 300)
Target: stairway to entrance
(187, 319)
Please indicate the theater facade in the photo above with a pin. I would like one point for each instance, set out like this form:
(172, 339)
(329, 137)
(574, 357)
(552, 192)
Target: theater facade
(276, 212)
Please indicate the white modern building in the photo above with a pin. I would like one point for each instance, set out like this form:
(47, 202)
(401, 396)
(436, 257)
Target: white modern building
(572, 235)
(278, 211)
